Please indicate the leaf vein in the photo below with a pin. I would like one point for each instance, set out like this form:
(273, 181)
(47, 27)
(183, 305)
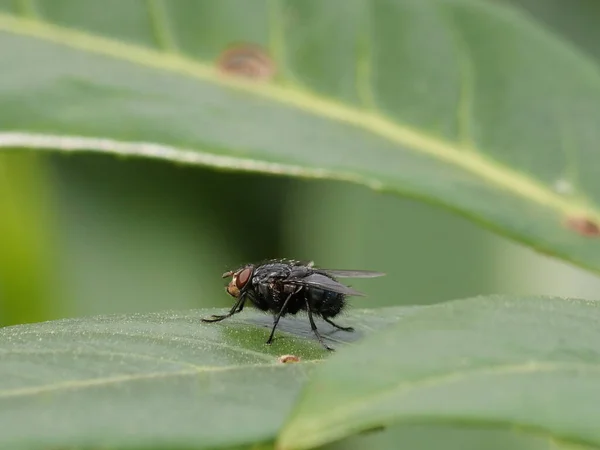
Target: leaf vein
(161, 26)
(364, 61)
(106, 381)
(94, 352)
(27, 8)
(466, 88)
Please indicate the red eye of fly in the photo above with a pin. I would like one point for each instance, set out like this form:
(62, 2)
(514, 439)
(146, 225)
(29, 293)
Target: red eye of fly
(243, 278)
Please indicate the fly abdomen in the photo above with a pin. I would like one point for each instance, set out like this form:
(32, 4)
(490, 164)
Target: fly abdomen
(325, 303)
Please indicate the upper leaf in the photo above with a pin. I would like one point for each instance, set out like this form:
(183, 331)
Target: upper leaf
(157, 380)
(525, 363)
(462, 103)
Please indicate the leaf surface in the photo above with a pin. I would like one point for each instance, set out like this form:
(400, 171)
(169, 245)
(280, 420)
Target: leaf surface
(462, 103)
(158, 380)
(522, 363)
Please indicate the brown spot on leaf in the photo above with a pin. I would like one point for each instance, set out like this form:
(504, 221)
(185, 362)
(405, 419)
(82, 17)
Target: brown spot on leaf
(285, 359)
(583, 226)
(247, 61)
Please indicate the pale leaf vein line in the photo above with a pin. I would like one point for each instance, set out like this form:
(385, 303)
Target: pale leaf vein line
(95, 352)
(278, 17)
(28, 9)
(464, 110)
(107, 381)
(161, 26)
(364, 60)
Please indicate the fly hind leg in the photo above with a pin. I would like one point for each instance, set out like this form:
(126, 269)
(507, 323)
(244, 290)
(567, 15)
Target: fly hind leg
(314, 327)
(329, 321)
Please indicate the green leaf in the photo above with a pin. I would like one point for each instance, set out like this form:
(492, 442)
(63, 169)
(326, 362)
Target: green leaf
(157, 380)
(524, 363)
(462, 103)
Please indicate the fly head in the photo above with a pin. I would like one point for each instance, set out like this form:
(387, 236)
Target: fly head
(239, 281)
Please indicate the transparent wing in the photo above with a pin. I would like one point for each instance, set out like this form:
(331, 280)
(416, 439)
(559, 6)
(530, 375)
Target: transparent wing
(322, 282)
(353, 273)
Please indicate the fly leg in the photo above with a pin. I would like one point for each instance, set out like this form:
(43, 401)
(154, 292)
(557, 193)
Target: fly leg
(337, 326)
(239, 305)
(314, 326)
(279, 314)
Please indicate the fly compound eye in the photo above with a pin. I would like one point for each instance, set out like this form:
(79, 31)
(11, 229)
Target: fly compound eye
(242, 278)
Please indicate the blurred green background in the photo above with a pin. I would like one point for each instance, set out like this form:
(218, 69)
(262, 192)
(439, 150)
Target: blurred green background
(95, 235)
(91, 234)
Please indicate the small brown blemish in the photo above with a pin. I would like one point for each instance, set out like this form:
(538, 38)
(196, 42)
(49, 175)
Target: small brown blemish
(247, 61)
(285, 359)
(583, 226)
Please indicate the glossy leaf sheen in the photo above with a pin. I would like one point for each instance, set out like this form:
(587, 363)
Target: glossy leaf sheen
(157, 380)
(526, 363)
(463, 103)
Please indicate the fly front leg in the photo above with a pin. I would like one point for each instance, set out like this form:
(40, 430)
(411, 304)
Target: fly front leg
(239, 305)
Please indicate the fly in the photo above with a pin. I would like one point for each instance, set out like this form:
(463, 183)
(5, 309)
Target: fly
(284, 287)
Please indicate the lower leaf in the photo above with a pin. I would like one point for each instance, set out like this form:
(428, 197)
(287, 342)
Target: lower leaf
(158, 380)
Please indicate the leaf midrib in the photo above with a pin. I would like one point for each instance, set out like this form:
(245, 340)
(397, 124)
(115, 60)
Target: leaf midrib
(471, 161)
(95, 352)
(117, 379)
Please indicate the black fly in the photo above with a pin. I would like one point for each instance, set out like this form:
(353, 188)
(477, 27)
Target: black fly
(286, 287)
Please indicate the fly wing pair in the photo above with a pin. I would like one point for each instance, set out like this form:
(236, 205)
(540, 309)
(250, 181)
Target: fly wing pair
(320, 281)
